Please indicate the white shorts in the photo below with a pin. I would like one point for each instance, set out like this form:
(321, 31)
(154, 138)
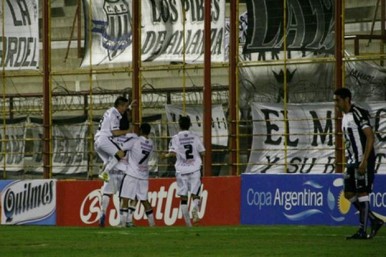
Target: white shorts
(114, 184)
(134, 188)
(190, 182)
(106, 148)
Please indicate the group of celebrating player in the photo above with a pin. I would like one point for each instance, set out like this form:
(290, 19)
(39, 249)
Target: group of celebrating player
(126, 156)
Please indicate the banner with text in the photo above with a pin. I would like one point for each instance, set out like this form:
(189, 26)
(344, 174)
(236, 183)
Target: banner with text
(310, 26)
(69, 146)
(13, 144)
(170, 31)
(78, 203)
(307, 135)
(19, 42)
(219, 122)
(299, 199)
(30, 202)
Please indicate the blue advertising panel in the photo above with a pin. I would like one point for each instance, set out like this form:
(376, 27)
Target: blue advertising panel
(30, 202)
(303, 199)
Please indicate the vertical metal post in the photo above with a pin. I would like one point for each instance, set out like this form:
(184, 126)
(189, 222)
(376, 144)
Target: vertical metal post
(382, 31)
(136, 61)
(207, 90)
(338, 83)
(79, 30)
(47, 151)
(233, 92)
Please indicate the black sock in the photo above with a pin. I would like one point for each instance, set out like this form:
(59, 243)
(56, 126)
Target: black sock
(371, 215)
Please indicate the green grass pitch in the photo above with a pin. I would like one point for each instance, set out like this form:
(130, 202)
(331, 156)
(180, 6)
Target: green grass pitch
(52, 241)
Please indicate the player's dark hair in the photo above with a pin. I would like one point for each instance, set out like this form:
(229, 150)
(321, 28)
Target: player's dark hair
(124, 122)
(184, 122)
(145, 128)
(120, 100)
(343, 93)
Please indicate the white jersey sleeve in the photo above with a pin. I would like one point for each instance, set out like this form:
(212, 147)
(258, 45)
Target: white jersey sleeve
(187, 146)
(126, 143)
(108, 123)
(139, 156)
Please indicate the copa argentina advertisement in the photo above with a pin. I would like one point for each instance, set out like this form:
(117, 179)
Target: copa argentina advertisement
(30, 202)
(170, 31)
(19, 35)
(308, 136)
(306, 200)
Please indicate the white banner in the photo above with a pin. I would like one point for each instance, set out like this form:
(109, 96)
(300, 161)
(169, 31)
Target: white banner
(310, 140)
(168, 29)
(19, 42)
(13, 145)
(219, 122)
(69, 148)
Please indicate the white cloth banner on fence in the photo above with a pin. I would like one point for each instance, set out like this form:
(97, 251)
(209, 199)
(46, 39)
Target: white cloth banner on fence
(69, 146)
(310, 140)
(219, 122)
(13, 146)
(19, 42)
(163, 31)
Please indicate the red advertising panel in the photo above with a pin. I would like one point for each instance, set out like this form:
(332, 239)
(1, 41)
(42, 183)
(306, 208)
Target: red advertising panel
(78, 203)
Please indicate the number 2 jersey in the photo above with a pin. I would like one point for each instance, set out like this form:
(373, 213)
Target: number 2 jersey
(187, 146)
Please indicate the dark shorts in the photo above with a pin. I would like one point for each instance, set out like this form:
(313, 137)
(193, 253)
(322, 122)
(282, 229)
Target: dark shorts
(358, 183)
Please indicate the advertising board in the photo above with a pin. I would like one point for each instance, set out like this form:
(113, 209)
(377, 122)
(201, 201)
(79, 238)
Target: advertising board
(78, 203)
(312, 199)
(30, 202)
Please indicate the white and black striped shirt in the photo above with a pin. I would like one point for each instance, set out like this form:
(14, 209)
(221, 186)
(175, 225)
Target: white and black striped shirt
(353, 124)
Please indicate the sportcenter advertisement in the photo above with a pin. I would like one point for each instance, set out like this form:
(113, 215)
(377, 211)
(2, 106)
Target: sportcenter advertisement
(78, 203)
(313, 199)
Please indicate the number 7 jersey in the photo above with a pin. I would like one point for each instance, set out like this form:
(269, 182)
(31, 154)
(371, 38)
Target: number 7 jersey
(187, 146)
(139, 152)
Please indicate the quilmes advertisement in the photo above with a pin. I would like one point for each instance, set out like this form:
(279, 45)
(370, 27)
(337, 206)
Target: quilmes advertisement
(28, 202)
(303, 199)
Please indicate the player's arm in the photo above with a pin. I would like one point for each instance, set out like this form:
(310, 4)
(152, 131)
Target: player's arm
(169, 155)
(368, 148)
(119, 132)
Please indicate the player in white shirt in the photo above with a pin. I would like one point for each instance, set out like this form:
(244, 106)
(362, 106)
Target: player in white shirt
(113, 185)
(109, 129)
(188, 148)
(135, 183)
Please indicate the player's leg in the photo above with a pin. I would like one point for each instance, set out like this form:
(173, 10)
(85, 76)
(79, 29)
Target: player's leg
(114, 160)
(106, 146)
(149, 212)
(195, 188)
(123, 211)
(107, 191)
(375, 222)
(142, 196)
(130, 213)
(350, 193)
(128, 191)
(182, 191)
